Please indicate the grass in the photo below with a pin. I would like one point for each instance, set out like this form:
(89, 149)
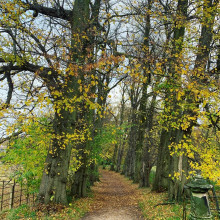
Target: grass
(151, 210)
(155, 206)
(149, 204)
(74, 211)
(21, 212)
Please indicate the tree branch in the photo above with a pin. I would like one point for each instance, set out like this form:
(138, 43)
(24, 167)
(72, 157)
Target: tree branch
(10, 90)
(52, 12)
(121, 79)
(15, 134)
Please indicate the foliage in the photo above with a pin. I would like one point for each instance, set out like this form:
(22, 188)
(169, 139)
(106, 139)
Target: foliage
(111, 136)
(149, 204)
(21, 212)
(205, 153)
(74, 211)
(27, 152)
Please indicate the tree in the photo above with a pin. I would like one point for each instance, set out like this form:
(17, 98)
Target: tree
(28, 152)
(182, 110)
(56, 45)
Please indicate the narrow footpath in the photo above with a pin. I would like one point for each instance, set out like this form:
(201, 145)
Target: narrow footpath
(115, 198)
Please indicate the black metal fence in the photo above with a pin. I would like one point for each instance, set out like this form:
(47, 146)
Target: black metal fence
(13, 194)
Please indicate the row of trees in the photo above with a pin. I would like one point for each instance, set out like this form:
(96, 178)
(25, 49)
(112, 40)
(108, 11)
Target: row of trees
(63, 58)
(180, 76)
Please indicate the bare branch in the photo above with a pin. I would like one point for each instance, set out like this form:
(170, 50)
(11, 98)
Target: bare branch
(10, 90)
(52, 12)
(15, 134)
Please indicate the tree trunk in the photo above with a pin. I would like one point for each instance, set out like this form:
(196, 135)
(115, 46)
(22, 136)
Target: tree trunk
(112, 168)
(176, 186)
(146, 159)
(145, 173)
(119, 158)
(167, 164)
(79, 186)
(54, 179)
(93, 173)
(161, 180)
(130, 159)
(178, 164)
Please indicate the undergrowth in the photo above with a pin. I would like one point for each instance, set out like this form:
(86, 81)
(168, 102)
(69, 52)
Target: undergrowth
(74, 211)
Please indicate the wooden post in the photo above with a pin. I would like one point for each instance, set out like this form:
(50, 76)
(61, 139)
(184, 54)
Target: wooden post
(11, 203)
(20, 194)
(3, 185)
(27, 196)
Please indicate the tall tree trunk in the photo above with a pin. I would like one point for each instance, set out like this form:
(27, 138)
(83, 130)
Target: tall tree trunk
(130, 160)
(179, 163)
(78, 187)
(146, 160)
(123, 136)
(120, 156)
(161, 180)
(82, 46)
(113, 162)
(143, 164)
(167, 164)
(54, 179)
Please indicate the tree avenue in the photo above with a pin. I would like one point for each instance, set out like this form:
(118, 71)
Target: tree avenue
(60, 59)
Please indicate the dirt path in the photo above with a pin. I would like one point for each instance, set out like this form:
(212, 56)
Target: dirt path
(115, 198)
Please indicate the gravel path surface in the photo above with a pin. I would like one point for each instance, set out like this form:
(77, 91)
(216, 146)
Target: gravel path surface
(115, 198)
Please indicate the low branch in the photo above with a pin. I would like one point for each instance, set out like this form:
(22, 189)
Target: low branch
(10, 90)
(52, 12)
(120, 80)
(165, 203)
(15, 134)
(2, 60)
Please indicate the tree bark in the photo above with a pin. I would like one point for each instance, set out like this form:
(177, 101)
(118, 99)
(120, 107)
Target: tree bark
(54, 179)
(130, 160)
(146, 158)
(167, 164)
(113, 162)
(119, 158)
(79, 185)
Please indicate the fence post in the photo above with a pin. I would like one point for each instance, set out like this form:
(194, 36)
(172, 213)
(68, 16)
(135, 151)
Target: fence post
(12, 196)
(3, 185)
(27, 196)
(20, 194)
